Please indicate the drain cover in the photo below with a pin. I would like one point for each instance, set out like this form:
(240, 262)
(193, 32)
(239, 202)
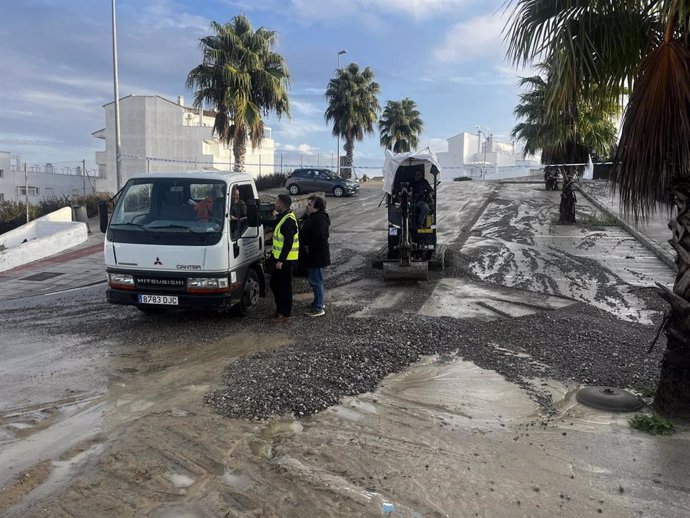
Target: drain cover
(43, 276)
(608, 398)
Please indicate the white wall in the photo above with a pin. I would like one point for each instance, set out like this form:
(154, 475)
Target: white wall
(49, 185)
(5, 185)
(152, 126)
(41, 238)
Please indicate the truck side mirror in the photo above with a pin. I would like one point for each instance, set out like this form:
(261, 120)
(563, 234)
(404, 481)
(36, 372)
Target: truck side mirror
(103, 215)
(253, 216)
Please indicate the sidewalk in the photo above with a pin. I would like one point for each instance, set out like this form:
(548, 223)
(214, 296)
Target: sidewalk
(654, 234)
(79, 266)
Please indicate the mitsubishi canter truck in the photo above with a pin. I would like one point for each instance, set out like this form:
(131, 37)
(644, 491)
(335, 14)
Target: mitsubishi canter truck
(191, 240)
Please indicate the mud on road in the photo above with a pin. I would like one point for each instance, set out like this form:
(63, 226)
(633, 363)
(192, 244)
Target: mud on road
(416, 399)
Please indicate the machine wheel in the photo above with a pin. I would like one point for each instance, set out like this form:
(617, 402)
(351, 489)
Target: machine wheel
(250, 294)
(338, 191)
(294, 189)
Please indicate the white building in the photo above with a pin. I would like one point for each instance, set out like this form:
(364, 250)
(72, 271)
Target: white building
(470, 155)
(161, 135)
(45, 181)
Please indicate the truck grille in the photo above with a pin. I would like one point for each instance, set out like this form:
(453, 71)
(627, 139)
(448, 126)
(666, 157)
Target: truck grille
(160, 283)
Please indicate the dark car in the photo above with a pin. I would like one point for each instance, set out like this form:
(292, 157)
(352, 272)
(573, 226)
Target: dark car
(320, 180)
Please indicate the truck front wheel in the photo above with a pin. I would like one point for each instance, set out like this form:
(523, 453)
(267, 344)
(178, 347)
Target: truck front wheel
(250, 294)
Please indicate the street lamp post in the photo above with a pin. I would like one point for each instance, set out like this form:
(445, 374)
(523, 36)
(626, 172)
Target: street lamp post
(116, 92)
(340, 53)
(479, 133)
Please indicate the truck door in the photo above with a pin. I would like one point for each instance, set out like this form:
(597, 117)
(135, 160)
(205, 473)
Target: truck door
(244, 243)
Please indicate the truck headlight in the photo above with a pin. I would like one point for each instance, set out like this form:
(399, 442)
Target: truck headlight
(207, 284)
(121, 280)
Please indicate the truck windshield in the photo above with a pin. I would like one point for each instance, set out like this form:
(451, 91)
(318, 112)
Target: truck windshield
(149, 210)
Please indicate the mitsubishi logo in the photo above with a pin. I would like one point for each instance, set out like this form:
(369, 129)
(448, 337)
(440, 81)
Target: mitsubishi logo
(157, 261)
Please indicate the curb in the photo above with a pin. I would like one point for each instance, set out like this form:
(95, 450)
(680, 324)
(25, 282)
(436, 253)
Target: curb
(650, 244)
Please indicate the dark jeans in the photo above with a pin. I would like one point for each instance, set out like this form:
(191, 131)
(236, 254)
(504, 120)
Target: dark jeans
(421, 210)
(315, 276)
(281, 286)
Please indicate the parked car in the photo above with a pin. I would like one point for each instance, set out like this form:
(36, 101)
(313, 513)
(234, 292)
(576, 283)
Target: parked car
(320, 180)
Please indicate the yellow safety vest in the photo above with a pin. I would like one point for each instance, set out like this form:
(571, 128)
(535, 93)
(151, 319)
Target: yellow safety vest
(278, 239)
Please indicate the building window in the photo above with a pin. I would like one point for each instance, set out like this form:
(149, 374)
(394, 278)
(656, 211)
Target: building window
(21, 191)
(2, 197)
(2, 173)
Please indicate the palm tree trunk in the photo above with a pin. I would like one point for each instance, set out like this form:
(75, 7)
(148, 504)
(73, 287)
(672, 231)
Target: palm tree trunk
(673, 394)
(239, 150)
(568, 198)
(349, 153)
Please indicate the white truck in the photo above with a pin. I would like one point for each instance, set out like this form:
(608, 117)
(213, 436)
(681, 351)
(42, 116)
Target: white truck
(176, 240)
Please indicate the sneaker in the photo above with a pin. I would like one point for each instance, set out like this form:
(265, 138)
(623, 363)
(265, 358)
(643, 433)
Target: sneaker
(315, 312)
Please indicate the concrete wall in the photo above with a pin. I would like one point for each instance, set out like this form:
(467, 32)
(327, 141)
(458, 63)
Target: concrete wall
(41, 238)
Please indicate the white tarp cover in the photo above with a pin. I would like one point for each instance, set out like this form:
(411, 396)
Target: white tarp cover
(395, 160)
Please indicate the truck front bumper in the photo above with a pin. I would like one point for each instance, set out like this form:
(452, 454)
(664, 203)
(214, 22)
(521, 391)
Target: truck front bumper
(212, 301)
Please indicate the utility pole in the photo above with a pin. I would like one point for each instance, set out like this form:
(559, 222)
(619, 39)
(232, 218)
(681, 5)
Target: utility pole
(340, 53)
(26, 192)
(83, 176)
(116, 92)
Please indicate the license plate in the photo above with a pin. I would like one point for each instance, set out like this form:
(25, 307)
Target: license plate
(163, 300)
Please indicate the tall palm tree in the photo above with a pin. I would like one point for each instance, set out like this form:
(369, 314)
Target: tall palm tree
(646, 44)
(400, 126)
(243, 80)
(353, 106)
(552, 133)
(544, 131)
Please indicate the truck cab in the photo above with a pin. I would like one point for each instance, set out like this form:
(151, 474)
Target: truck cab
(190, 240)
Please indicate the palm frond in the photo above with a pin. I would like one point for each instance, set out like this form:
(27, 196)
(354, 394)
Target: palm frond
(654, 149)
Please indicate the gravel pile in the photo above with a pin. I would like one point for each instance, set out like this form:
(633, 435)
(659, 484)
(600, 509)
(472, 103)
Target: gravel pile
(343, 358)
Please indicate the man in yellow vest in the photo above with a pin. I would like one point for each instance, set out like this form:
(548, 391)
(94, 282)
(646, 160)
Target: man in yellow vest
(285, 254)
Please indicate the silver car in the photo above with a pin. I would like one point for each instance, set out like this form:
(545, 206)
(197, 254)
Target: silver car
(320, 180)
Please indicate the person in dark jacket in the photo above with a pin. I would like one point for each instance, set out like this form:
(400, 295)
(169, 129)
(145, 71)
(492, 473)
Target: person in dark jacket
(285, 254)
(316, 252)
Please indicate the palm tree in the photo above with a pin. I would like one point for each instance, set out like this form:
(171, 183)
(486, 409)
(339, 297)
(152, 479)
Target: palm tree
(545, 131)
(243, 80)
(353, 106)
(400, 126)
(646, 44)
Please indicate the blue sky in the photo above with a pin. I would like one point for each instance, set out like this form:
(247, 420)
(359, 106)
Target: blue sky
(446, 55)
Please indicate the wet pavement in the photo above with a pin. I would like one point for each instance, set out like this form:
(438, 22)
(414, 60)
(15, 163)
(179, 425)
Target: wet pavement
(101, 407)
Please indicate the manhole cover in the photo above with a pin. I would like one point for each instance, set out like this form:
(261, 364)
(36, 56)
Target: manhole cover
(43, 276)
(608, 398)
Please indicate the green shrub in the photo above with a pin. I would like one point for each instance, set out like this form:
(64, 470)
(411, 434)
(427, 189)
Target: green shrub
(462, 179)
(270, 181)
(600, 219)
(652, 424)
(646, 392)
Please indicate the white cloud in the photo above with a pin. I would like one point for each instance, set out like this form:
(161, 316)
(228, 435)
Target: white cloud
(479, 37)
(297, 129)
(437, 145)
(305, 108)
(323, 10)
(305, 149)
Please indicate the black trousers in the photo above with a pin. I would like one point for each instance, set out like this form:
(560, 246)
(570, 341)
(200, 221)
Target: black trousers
(281, 286)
